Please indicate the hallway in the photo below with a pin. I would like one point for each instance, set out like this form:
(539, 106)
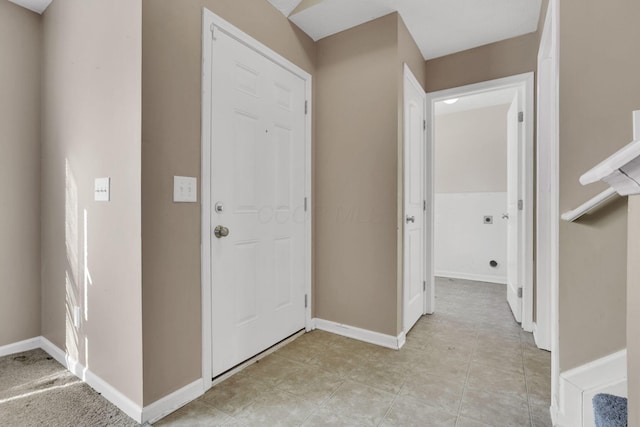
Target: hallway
(467, 365)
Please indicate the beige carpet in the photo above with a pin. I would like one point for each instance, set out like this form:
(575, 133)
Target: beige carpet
(35, 390)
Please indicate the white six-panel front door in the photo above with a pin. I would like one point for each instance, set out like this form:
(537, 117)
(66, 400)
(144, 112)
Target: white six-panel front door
(257, 193)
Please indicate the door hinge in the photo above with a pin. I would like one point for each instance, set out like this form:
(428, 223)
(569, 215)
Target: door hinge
(424, 286)
(305, 301)
(520, 117)
(519, 292)
(424, 125)
(213, 32)
(305, 204)
(424, 205)
(520, 205)
(306, 107)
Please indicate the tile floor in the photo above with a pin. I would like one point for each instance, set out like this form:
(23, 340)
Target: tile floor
(467, 365)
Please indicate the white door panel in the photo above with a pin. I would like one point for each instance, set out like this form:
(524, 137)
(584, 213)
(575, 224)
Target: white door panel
(258, 178)
(513, 185)
(414, 197)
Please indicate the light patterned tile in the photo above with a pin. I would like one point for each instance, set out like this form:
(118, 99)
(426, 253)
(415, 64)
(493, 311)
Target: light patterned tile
(433, 390)
(196, 414)
(275, 408)
(495, 409)
(234, 394)
(272, 369)
(360, 403)
(311, 384)
(495, 380)
(540, 416)
(324, 417)
(408, 412)
(468, 422)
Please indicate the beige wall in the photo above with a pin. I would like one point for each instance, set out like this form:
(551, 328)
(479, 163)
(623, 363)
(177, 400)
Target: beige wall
(21, 49)
(91, 251)
(171, 146)
(493, 61)
(599, 88)
(356, 166)
(633, 313)
(409, 53)
(471, 151)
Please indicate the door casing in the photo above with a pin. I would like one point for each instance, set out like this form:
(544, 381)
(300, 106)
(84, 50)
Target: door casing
(524, 84)
(410, 79)
(548, 214)
(210, 24)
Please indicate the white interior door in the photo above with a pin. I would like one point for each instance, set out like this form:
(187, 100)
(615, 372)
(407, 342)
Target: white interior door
(257, 193)
(414, 201)
(514, 297)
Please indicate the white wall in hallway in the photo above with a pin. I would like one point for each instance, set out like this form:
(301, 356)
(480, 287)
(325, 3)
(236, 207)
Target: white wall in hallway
(464, 244)
(470, 183)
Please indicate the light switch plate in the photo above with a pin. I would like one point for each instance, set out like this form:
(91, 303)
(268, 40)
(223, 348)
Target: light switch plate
(185, 189)
(102, 190)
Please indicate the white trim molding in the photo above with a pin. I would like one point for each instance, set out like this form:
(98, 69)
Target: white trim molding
(371, 337)
(172, 402)
(149, 414)
(19, 347)
(475, 277)
(107, 391)
(578, 386)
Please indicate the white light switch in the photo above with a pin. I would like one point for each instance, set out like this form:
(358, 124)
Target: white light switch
(101, 192)
(185, 189)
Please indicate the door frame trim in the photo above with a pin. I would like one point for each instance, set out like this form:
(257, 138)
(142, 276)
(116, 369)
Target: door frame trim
(525, 83)
(409, 77)
(210, 21)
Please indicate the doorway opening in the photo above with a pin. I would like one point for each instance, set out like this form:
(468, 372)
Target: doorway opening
(480, 139)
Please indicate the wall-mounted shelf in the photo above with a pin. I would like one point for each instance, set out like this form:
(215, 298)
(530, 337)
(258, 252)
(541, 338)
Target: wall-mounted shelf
(621, 171)
(590, 205)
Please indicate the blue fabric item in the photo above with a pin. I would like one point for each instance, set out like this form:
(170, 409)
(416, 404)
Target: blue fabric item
(609, 410)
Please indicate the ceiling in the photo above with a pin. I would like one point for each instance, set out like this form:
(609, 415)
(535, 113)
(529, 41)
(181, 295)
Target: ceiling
(38, 6)
(439, 27)
(476, 101)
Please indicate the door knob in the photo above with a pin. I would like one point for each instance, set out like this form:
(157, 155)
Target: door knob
(505, 216)
(221, 231)
(411, 219)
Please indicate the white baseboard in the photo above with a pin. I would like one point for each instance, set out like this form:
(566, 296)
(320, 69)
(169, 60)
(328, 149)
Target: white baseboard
(365, 335)
(469, 276)
(150, 413)
(107, 391)
(578, 386)
(54, 351)
(541, 338)
(402, 340)
(554, 416)
(163, 407)
(19, 347)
